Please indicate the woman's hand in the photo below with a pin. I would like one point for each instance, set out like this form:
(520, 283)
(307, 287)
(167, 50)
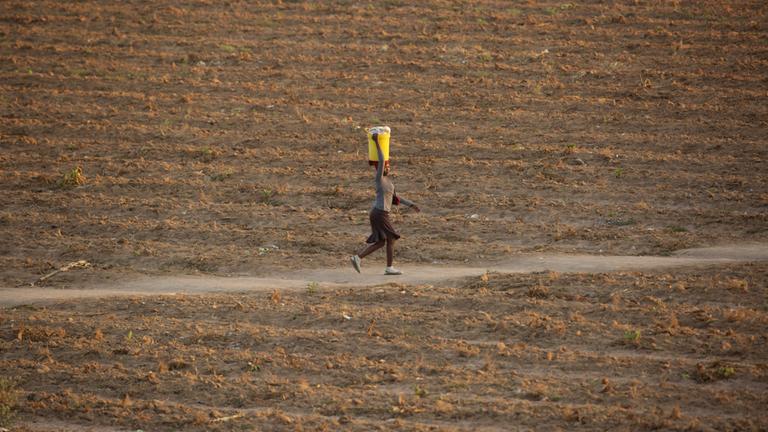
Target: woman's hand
(416, 208)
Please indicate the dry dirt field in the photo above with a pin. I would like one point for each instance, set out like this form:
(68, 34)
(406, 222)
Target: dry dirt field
(613, 351)
(227, 138)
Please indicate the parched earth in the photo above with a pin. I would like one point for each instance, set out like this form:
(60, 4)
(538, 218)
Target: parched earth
(653, 350)
(227, 138)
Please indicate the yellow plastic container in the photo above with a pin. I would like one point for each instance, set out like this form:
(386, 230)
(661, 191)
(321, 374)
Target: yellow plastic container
(382, 134)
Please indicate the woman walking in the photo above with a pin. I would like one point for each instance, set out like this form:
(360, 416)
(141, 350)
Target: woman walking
(382, 231)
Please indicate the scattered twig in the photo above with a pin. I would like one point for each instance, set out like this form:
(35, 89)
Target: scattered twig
(228, 418)
(76, 264)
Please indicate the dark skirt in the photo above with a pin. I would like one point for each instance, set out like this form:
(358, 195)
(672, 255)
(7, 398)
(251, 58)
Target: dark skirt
(381, 227)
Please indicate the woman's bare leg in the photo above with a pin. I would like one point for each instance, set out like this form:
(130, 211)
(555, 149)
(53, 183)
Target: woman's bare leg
(390, 251)
(370, 249)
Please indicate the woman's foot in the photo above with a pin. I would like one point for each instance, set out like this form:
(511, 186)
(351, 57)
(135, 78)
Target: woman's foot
(355, 262)
(391, 271)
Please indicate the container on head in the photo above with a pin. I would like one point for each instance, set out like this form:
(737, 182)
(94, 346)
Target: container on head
(380, 134)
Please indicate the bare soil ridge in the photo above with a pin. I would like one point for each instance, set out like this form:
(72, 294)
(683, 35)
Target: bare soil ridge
(371, 275)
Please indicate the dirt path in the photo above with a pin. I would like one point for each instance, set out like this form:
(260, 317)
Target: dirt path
(371, 275)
